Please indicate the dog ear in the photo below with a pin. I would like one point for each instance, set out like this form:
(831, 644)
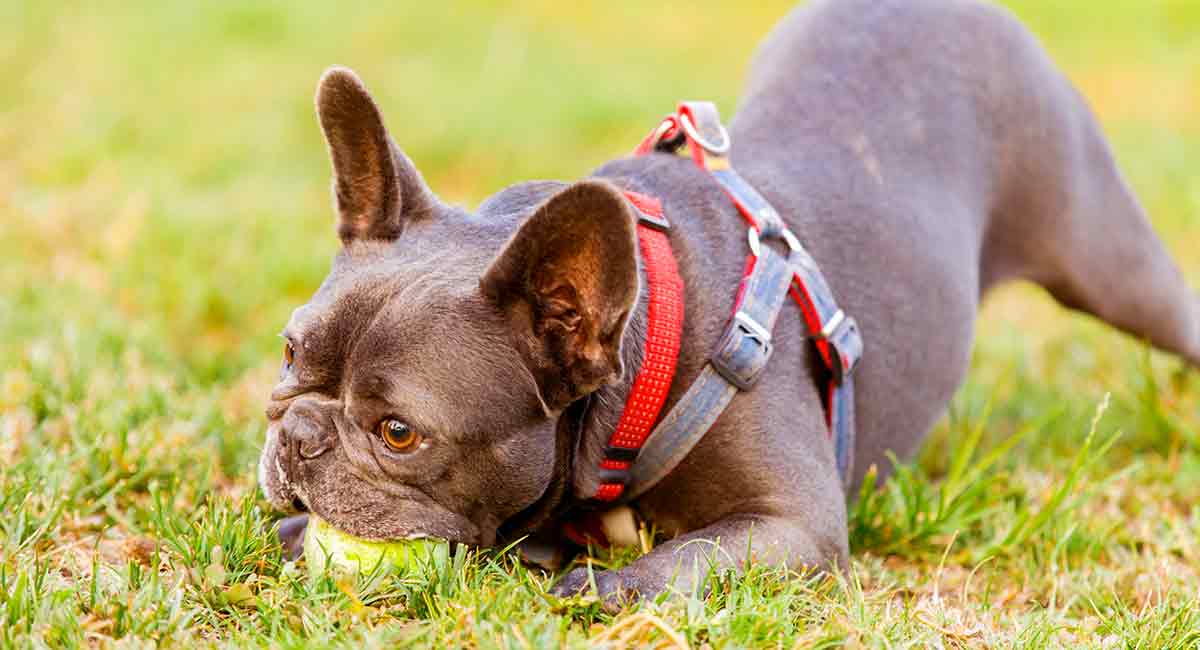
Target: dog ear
(376, 188)
(568, 280)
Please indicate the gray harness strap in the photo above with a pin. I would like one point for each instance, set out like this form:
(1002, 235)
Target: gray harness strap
(739, 359)
(742, 353)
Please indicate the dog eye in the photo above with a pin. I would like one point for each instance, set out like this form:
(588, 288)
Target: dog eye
(398, 436)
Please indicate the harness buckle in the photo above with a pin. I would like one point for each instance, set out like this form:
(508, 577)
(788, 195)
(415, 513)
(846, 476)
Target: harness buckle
(649, 210)
(753, 327)
(656, 222)
(788, 237)
(743, 351)
(845, 345)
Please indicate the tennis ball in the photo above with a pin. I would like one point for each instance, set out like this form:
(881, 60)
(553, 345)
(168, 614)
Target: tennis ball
(329, 549)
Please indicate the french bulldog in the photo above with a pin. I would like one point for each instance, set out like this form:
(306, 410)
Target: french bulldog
(458, 374)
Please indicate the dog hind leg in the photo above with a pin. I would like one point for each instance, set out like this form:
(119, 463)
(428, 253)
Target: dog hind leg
(1110, 262)
(1070, 222)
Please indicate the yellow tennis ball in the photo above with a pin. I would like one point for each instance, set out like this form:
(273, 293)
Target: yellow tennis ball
(329, 549)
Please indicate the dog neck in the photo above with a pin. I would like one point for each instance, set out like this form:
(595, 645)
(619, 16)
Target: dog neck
(583, 430)
(606, 405)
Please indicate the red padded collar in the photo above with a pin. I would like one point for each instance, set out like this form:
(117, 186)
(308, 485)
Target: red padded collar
(664, 331)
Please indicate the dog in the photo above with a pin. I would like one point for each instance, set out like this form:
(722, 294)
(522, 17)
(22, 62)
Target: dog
(458, 375)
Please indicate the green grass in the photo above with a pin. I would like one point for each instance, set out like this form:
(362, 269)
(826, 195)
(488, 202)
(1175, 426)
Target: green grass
(164, 205)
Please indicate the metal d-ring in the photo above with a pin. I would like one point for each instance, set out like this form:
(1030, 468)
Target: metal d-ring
(666, 126)
(790, 238)
(690, 130)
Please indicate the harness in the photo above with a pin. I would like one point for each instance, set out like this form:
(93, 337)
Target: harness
(640, 453)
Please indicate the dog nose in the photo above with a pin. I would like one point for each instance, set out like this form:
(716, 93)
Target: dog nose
(305, 434)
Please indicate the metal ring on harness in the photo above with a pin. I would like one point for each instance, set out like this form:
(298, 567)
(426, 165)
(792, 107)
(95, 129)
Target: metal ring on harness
(792, 241)
(690, 129)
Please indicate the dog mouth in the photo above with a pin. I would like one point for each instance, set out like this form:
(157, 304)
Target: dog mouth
(277, 477)
(389, 515)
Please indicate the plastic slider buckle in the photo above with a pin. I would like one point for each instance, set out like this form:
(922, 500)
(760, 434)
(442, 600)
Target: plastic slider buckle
(845, 344)
(614, 476)
(754, 237)
(743, 351)
(657, 223)
(760, 334)
(622, 454)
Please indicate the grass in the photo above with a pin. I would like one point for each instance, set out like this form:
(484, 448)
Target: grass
(164, 205)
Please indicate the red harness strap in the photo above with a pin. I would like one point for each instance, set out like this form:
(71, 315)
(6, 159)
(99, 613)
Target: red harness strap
(836, 337)
(744, 350)
(663, 334)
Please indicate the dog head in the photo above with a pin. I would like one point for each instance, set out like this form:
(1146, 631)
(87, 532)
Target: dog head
(423, 383)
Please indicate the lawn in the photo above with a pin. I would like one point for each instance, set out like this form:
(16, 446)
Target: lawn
(164, 205)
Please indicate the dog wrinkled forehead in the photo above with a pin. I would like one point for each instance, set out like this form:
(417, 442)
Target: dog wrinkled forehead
(364, 285)
(416, 326)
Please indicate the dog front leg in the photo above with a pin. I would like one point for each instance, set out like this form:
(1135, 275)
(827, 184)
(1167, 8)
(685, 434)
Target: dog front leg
(729, 544)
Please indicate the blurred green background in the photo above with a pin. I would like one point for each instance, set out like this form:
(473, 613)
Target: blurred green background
(164, 185)
(162, 172)
(164, 205)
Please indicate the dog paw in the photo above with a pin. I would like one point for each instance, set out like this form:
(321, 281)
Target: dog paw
(611, 587)
(291, 536)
